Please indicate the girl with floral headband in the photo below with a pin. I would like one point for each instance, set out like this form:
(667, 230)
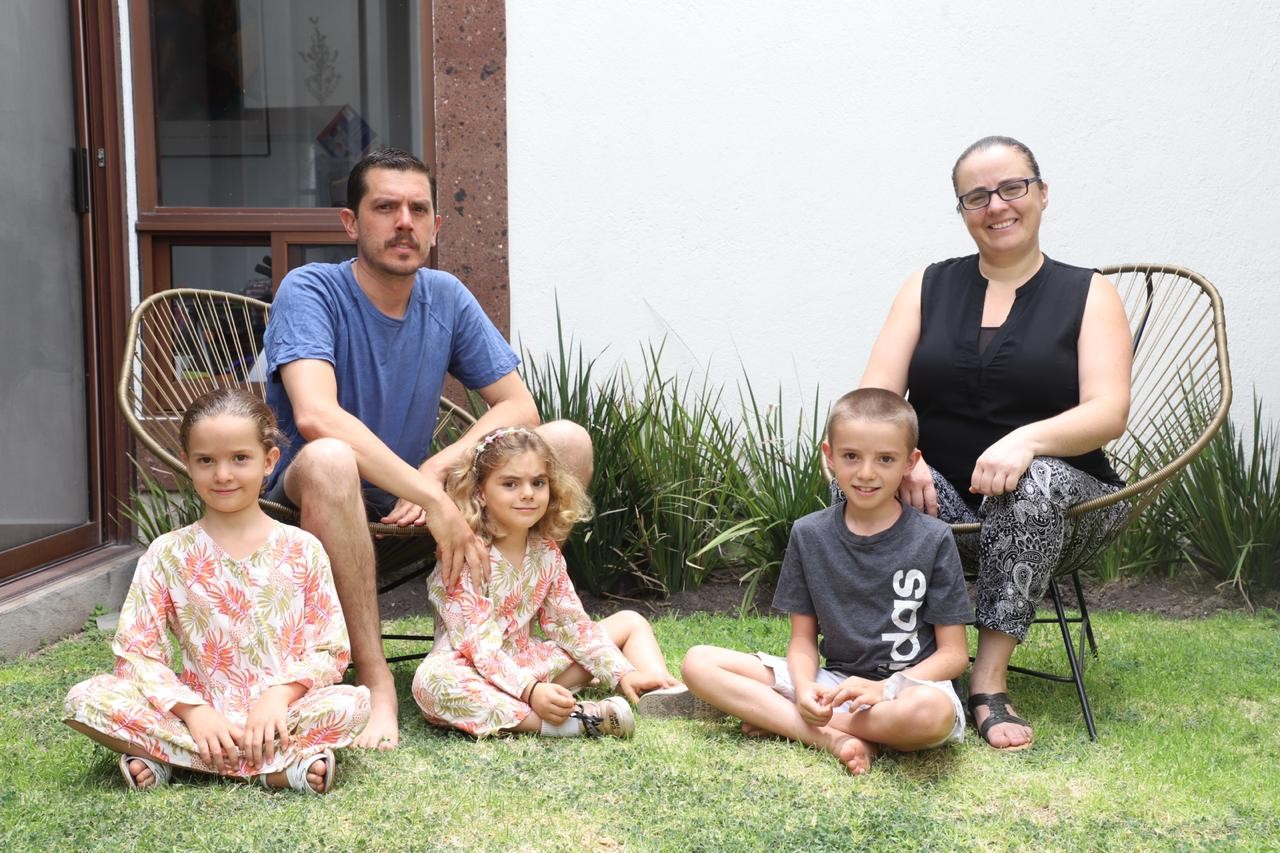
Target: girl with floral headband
(488, 671)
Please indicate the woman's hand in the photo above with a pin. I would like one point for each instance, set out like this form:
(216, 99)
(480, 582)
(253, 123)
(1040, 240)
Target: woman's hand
(917, 489)
(551, 702)
(1002, 464)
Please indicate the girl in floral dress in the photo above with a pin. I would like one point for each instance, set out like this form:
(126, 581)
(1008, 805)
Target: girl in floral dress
(487, 672)
(253, 606)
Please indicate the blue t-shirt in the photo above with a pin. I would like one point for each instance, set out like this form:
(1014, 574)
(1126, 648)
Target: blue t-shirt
(390, 372)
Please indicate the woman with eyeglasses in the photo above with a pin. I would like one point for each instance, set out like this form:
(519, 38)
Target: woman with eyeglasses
(1018, 368)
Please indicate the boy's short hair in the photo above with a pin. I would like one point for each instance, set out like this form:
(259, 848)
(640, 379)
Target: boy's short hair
(876, 404)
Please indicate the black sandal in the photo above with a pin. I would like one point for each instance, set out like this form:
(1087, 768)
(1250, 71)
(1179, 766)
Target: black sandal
(997, 705)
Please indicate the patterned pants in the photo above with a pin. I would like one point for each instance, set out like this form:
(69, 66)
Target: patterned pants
(1026, 538)
(325, 718)
(452, 693)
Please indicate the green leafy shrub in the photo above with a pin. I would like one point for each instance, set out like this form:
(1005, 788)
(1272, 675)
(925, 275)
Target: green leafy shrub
(1150, 544)
(1220, 515)
(681, 489)
(154, 510)
(1226, 506)
(682, 449)
(778, 479)
(602, 550)
(1146, 547)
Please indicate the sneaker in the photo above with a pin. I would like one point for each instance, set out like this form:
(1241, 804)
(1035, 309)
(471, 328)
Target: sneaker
(678, 701)
(611, 717)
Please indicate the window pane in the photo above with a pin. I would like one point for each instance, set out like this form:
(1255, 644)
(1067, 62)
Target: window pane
(245, 270)
(210, 342)
(328, 253)
(268, 103)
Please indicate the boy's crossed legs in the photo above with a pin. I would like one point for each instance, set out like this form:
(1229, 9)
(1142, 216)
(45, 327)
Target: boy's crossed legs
(919, 716)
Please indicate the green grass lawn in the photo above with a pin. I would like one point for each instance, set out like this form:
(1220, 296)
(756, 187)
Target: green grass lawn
(1189, 757)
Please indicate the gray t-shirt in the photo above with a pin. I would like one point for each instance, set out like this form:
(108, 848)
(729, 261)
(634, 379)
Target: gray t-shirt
(876, 597)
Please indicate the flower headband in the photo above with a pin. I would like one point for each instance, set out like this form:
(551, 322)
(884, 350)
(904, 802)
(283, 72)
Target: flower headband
(498, 433)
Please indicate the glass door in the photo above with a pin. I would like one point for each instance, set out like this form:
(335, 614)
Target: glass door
(46, 488)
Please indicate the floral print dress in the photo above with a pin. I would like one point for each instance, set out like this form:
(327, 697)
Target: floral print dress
(485, 656)
(243, 626)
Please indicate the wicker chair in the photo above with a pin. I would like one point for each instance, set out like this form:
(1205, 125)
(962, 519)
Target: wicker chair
(182, 343)
(1180, 395)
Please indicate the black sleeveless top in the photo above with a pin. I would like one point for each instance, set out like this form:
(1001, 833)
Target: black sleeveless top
(967, 399)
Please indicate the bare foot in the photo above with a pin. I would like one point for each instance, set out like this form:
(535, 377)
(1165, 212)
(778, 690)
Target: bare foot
(142, 775)
(383, 729)
(854, 753)
(315, 777)
(749, 730)
(1009, 735)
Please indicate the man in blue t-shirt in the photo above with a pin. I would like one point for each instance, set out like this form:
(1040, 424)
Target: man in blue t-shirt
(357, 354)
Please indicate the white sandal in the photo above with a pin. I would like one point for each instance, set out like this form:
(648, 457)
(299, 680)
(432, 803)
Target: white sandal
(160, 772)
(296, 774)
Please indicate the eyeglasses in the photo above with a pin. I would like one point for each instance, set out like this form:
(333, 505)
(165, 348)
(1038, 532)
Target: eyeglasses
(1008, 191)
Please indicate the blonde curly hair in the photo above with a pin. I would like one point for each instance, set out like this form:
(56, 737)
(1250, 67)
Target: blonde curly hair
(567, 502)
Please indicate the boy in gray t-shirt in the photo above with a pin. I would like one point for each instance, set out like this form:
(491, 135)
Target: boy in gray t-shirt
(882, 585)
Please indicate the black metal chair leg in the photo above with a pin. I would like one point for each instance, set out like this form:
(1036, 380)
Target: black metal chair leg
(1084, 613)
(412, 574)
(1077, 671)
(398, 658)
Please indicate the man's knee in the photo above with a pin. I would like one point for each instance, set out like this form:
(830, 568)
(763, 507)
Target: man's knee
(572, 444)
(325, 468)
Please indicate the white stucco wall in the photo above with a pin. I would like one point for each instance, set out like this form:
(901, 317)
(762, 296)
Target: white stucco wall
(755, 178)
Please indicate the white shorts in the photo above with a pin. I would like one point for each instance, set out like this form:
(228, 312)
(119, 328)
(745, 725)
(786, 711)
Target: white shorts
(893, 686)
